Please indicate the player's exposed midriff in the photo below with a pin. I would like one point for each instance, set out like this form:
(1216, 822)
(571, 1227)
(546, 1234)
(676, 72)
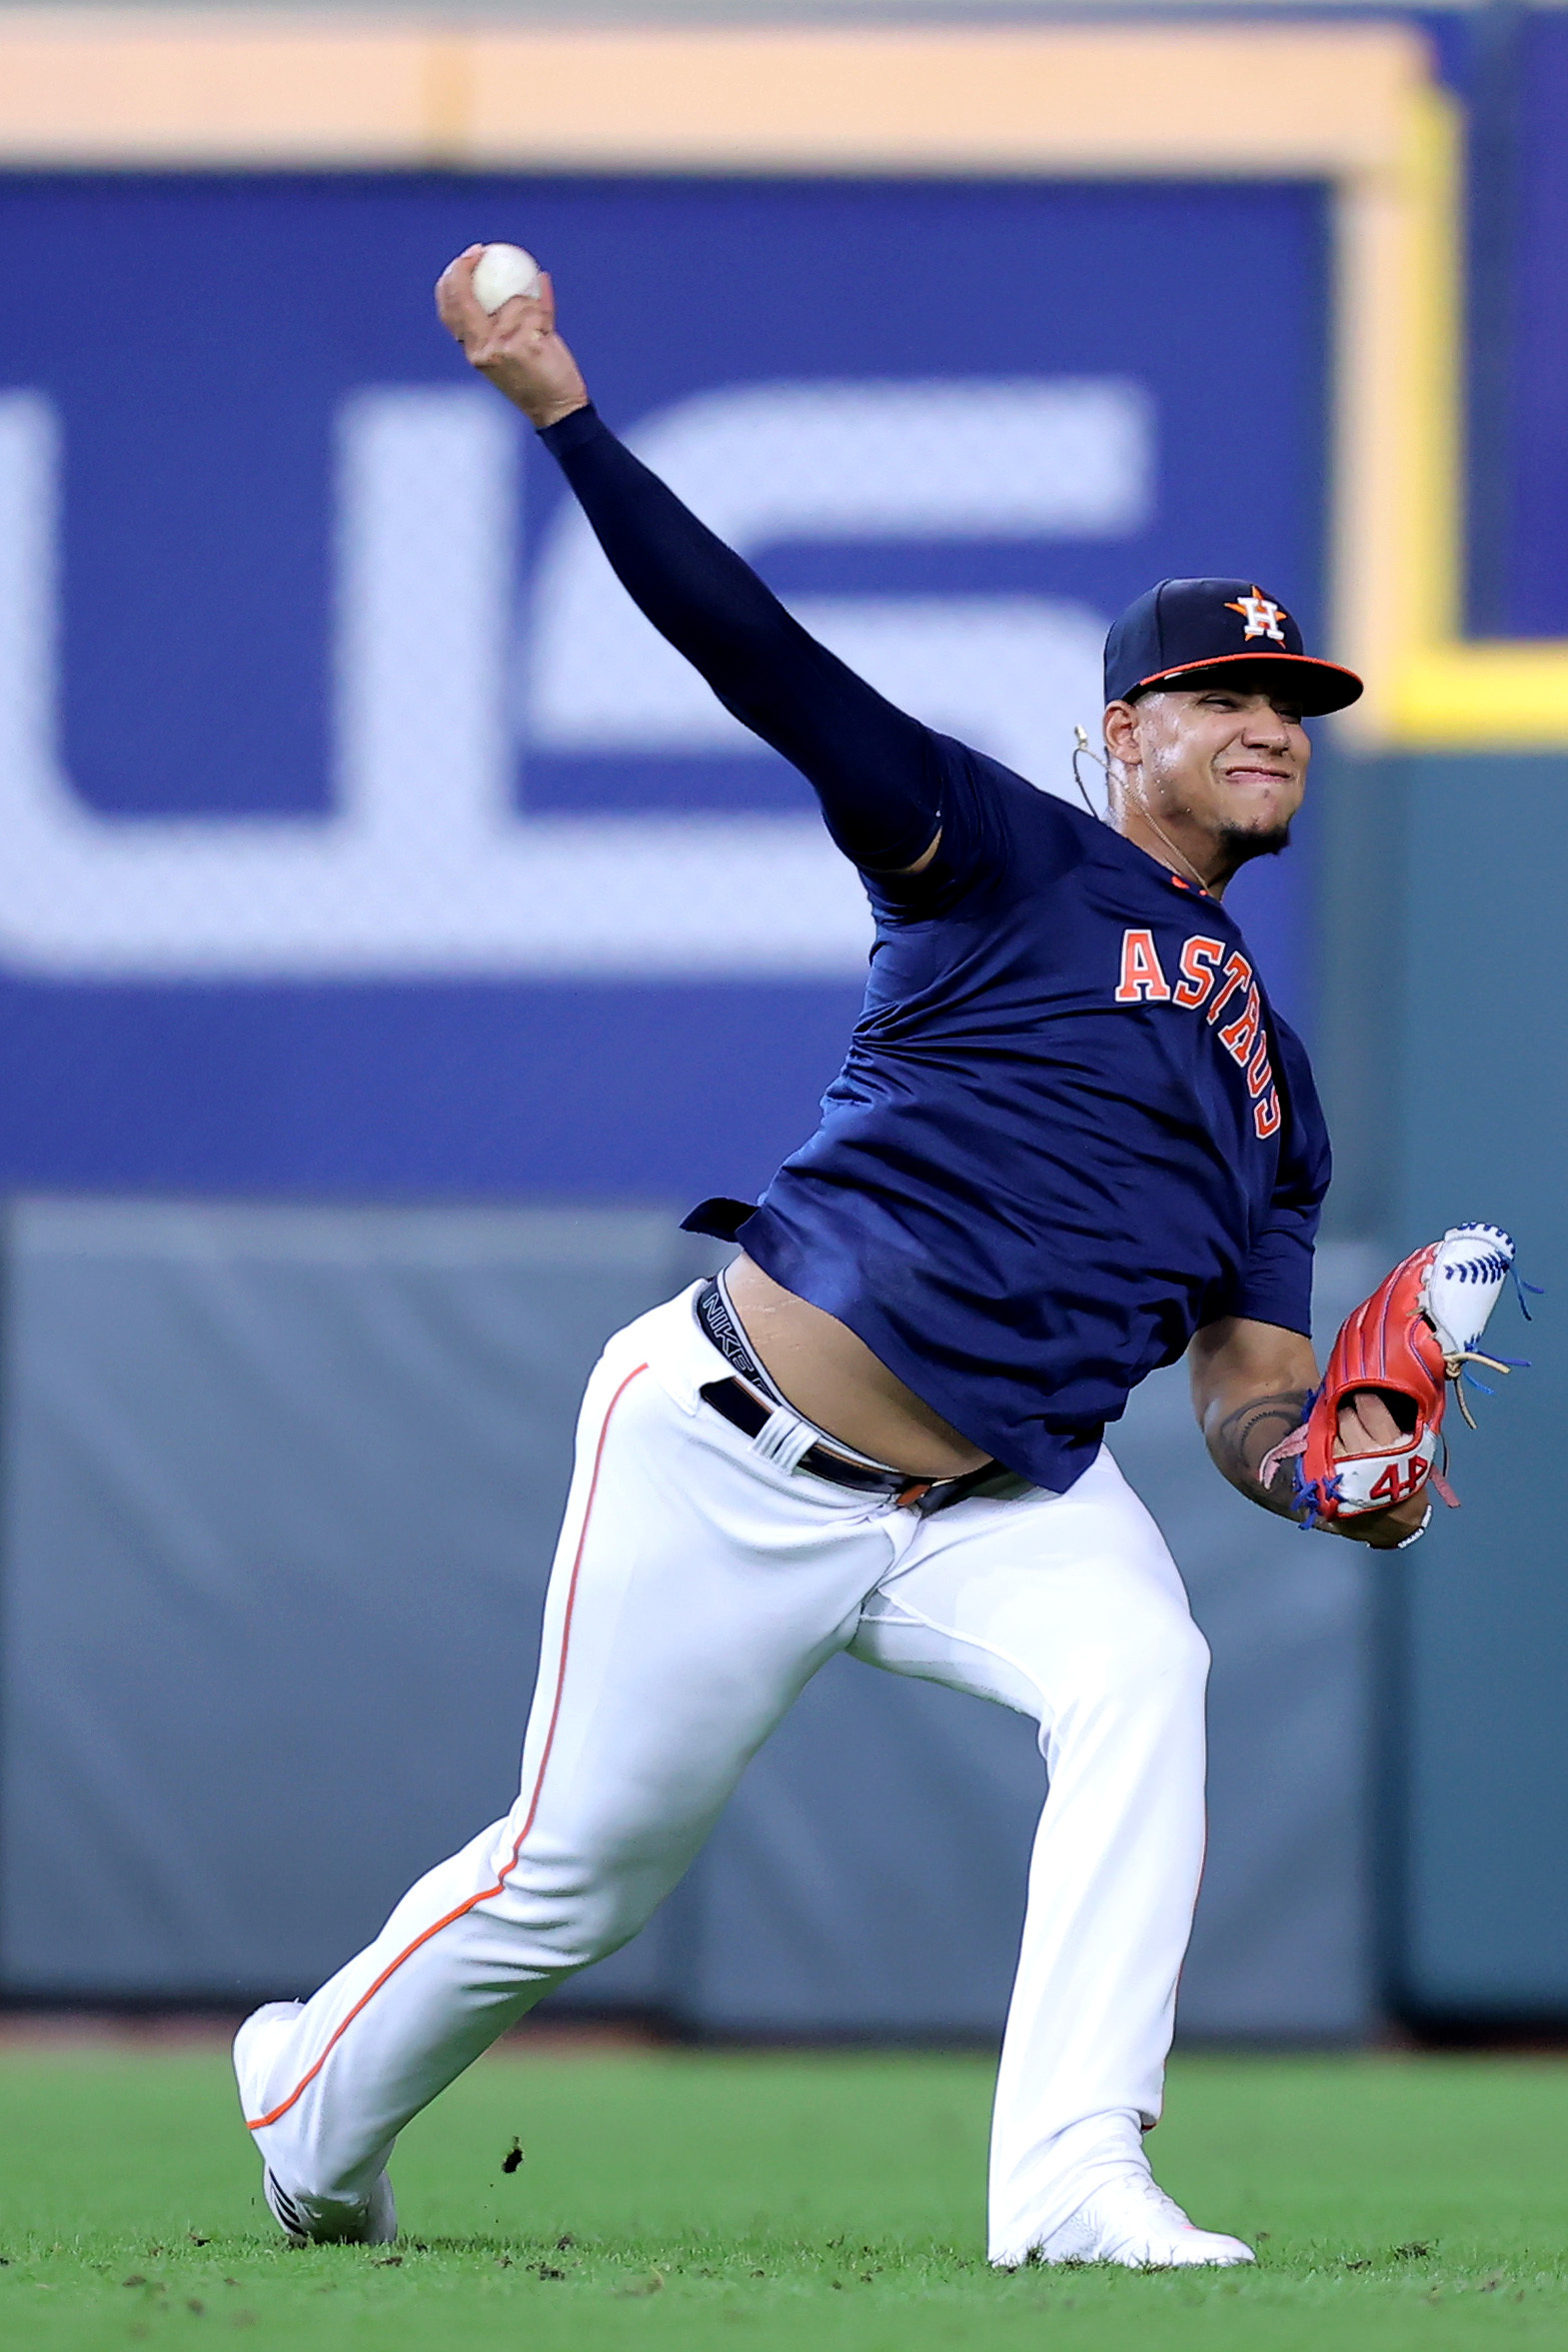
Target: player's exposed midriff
(831, 1376)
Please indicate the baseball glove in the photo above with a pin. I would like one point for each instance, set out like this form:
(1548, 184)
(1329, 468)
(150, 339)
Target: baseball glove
(1415, 1335)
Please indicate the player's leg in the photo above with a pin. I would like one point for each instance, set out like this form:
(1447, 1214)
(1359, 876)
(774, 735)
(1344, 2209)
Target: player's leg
(695, 1591)
(1071, 1609)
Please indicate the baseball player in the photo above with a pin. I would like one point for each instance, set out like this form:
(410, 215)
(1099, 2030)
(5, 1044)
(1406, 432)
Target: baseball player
(1071, 1140)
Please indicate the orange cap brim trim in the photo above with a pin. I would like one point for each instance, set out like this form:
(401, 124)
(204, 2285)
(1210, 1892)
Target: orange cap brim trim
(1345, 685)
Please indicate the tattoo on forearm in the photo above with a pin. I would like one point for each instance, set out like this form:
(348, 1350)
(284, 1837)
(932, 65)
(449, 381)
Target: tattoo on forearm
(1245, 1436)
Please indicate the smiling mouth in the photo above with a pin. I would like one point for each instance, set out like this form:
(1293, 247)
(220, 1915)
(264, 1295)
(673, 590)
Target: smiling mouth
(1256, 774)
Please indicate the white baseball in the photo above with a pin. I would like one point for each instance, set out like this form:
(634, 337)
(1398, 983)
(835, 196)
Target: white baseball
(500, 272)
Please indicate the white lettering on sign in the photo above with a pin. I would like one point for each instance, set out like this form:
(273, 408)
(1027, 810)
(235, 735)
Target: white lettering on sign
(426, 867)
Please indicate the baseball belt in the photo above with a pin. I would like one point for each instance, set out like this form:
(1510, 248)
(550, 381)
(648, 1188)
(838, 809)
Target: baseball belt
(749, 1412)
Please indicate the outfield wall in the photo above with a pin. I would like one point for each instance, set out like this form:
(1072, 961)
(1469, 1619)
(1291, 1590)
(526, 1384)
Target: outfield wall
(280, 1489)
(1450, 1041)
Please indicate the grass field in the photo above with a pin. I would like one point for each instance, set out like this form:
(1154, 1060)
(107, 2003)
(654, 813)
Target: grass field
(828, 2204)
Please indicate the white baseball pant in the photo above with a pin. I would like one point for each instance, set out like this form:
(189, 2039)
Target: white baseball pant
(699, 1585)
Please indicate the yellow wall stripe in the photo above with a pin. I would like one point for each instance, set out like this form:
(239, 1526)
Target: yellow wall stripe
(77, 88)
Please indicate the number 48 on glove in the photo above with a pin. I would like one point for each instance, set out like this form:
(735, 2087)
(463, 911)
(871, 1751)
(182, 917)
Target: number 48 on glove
(1410, 1339)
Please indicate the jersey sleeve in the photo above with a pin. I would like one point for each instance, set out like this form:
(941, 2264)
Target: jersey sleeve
(1276, 1282)
(873, 768)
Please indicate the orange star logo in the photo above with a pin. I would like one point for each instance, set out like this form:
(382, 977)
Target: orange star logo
(1261, 615)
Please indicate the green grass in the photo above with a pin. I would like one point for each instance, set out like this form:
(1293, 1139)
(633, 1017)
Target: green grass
(826, 2204)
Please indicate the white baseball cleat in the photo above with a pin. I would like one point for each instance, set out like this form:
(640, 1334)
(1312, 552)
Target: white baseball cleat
(374, 2222)
(1131, 2221)
(304, 2221)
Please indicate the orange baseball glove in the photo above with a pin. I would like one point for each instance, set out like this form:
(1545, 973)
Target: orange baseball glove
(1415, 1335)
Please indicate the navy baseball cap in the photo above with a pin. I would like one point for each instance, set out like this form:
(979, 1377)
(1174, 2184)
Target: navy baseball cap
(1175, 632)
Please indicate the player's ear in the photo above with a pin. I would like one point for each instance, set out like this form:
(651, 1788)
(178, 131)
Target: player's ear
(1122, 731)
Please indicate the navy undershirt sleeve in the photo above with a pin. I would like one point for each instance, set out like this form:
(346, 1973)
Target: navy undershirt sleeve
(873, 768)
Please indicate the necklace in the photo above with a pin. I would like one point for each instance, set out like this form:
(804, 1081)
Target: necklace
(1155, 825)
(1081, 750)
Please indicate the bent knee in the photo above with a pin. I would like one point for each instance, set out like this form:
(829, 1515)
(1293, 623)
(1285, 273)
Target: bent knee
(1161, 1661)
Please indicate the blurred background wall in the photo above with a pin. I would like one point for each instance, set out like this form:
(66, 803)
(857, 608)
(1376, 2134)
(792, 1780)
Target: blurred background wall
(394, 941)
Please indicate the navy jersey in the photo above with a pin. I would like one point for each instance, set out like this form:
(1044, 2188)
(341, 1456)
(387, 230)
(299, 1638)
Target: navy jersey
(1070, 1130)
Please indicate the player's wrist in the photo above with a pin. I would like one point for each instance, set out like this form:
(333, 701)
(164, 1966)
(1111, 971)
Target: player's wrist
(544, 402)
(556, 411)
(1247, 1446)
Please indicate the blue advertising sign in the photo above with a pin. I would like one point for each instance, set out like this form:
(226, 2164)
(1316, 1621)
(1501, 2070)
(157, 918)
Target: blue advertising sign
(359, 834)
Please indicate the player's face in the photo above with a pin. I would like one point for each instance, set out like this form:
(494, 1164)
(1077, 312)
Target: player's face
(1222, 767)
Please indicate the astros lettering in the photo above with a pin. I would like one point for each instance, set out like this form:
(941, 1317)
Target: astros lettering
(1208, 977)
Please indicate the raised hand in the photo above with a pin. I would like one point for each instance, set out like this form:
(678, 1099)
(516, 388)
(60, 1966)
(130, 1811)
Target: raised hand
(517, 347)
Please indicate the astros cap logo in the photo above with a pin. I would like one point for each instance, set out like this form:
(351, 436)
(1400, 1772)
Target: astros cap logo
(1179, 629)
(1261, 615)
